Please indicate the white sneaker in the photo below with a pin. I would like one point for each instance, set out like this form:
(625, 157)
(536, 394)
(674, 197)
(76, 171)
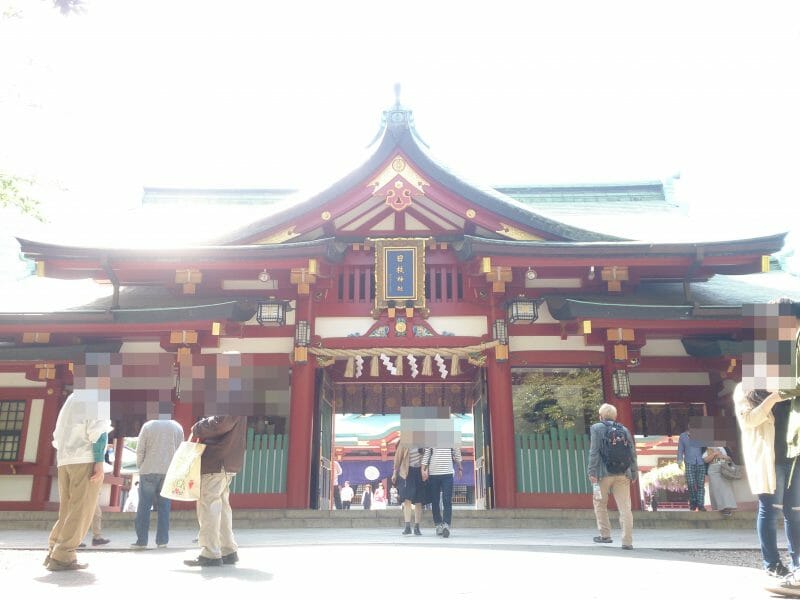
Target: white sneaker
(445, 530)
(789, 587)
(138, 547)
(161, 545)
(439, 529)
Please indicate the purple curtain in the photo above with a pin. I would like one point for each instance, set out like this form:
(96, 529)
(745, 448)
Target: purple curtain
(353, 471)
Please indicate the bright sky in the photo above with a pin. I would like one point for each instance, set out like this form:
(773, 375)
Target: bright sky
(268, 94)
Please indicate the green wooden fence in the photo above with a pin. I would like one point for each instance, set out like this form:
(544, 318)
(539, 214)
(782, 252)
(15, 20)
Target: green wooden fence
(554, 463)
(264, 470)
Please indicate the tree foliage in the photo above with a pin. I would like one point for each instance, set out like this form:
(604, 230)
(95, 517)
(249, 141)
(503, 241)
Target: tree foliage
(563, 399)
(14, 195)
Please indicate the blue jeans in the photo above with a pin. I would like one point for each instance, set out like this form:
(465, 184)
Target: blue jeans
(441, 485)
(149, 494)
(786, 498)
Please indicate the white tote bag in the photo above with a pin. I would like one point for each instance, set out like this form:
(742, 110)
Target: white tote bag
(182, 481)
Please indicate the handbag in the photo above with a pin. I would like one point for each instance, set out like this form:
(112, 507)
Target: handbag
(730, 470)
(182, 481)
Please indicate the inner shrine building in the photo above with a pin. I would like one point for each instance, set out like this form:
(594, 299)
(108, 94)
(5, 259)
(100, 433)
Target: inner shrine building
(399, 285)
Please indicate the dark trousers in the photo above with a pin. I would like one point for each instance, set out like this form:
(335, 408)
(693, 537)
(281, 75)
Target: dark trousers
(441, 486)
(337, 498)
(695, 481)
(346, 505)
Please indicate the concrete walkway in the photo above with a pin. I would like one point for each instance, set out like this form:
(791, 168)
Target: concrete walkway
(472, 563)
(654, 539)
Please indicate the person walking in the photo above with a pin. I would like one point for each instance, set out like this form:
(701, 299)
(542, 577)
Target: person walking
(80, 440)
(437, 469)
(157, 443)
(411, 488)
(224, 437)
(690, 456)
(612, 467)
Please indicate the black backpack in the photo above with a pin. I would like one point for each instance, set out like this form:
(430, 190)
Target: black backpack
(615, 448)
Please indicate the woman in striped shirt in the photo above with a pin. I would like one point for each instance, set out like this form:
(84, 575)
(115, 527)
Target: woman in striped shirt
(437, 470)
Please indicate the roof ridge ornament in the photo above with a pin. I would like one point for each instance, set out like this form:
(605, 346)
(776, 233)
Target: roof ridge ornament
(397, 120)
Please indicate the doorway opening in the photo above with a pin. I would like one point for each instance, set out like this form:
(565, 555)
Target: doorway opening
(358, 433)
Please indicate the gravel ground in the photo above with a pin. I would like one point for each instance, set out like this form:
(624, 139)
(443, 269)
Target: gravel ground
(736, 558)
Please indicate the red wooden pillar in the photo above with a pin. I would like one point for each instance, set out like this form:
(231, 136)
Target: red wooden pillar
(45, 453)
(624, 416)
(501, 422)
(182, 413)
(301, 421)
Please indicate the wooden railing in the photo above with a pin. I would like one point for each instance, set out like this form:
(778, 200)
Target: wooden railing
(554, 463)
(264, 470)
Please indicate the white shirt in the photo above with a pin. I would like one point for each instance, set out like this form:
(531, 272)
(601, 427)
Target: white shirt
(78, 427)
(346, 493)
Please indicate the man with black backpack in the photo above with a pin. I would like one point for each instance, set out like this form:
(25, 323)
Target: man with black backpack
(612, 467)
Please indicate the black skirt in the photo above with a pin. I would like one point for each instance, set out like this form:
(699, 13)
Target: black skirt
(412, 487)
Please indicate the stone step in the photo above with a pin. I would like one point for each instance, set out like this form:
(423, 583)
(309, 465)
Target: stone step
(392, 517)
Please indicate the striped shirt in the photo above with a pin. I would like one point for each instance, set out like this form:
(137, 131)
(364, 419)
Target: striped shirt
(415, 457)
(441, 463)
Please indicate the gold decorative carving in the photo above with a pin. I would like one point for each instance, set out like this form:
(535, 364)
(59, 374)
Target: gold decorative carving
(398, 166)
(614, 276)
(188, 276)
(183, 336)
(471, 214)
(517, 234)
(35, 338)
(499, 277)
(326, 215)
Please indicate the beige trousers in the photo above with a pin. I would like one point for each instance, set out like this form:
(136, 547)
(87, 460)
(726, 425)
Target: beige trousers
(215, 516)
(620, 487)
(97, 520)
(77, 502)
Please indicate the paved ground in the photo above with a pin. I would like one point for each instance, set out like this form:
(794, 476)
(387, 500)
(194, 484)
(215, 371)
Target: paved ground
(473, 563)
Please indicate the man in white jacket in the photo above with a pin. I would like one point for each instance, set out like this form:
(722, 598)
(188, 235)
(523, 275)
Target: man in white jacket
(80, 439)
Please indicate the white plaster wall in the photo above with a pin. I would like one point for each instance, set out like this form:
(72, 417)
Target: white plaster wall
(518, 343)
(565, 283)
(16, 488)
(34, 431)
(18, 380)
(663, 348)
(639, 378)
(282, 345)
(342, 327)
(142, 348)
(475, 326)
(249, 284)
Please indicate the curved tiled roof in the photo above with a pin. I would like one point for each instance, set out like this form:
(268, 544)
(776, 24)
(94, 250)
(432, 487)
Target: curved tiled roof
(398, 137)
